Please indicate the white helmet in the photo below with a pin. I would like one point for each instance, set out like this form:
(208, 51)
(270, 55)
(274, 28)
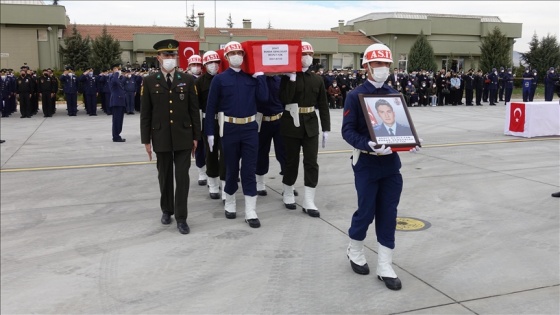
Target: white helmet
(232, 46)
(377, 52)
(194, 59)
(210, 56)
(306, 47)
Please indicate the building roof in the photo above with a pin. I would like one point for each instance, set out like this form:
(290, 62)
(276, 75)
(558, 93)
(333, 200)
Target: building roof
(126, 33)
(420, 16)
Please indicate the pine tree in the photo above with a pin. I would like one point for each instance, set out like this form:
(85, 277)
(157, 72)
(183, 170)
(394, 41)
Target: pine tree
(542, 54)
(229, 22)
(495, 51)
(191, 21)
(421, 55)
(77, 51)
(106, 51)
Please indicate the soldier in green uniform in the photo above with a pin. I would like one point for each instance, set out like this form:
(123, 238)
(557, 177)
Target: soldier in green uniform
(303, 92)
(170, 123)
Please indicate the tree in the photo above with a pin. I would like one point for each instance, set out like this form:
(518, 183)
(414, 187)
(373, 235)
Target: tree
(421, 55)
(495, 51)
(542, 54)
(269, 26)
(229, 22)
(106, 51)
(191, 20)
(77, 51)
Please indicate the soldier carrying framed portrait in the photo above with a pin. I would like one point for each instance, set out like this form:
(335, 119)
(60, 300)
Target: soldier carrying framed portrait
(389, 121)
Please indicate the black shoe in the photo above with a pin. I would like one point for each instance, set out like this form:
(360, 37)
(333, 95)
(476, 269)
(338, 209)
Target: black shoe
(254, 223)
(120, 140)
(361, 270)
(391, 283)
(165, 218)
(261, 192)
(183, 227)
(230, 215)
(312, 212)
(290, 206)
(202, 182)
(556, 194)
(214, 195)
(2, 141)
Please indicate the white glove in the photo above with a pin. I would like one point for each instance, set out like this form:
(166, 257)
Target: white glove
(256, 74)
(381, 151)
(417, 148)
(325, 137)
(211, 143)
(291, 75)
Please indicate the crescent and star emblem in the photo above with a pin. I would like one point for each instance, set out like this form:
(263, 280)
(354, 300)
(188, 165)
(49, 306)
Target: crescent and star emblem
(514, 114)
(187, 49)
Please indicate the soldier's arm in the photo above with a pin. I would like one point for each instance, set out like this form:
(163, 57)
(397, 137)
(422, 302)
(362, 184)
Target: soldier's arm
(145, 114)
(194, 113)
(212, 106)
(287, 90)
(262, 89)
(323, 107)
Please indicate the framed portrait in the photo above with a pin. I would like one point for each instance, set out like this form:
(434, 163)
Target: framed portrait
(389, 121)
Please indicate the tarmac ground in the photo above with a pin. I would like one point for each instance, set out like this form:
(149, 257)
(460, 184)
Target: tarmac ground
(81, 232)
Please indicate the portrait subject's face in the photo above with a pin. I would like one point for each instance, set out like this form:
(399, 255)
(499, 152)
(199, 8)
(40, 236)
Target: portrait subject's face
(387, 114)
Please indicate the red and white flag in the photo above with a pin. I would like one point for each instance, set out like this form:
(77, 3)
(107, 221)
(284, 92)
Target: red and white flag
(517, 117)
(187, 49)
(371, 116)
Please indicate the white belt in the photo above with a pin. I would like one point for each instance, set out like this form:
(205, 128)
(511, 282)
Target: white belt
(239, 121)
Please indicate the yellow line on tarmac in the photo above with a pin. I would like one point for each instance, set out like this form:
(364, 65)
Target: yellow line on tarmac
(67, 167)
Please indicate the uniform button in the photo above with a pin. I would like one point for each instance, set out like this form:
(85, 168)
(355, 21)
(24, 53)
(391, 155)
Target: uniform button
(170, 101)
(171, 111)
(171, 121)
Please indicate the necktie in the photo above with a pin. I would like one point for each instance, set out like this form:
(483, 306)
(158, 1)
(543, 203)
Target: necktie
(169, 80)
(391, 132)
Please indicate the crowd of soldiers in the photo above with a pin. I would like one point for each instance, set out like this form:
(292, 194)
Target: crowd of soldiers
(445, 87)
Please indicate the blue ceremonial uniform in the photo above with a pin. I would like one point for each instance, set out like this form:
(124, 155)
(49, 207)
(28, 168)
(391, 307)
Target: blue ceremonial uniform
(270, 127)
(70, 89)
(7, 89)
(549, 82)
(89, 85)
(130, 89)
(508, 86)
(377, 178)
(12, 99)
(107, 91)
(533, 86)
(117, 104)
(235, 94)
(101, 83)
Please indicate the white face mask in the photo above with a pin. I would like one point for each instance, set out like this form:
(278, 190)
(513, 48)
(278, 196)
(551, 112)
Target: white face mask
(379, 74)
(306, 61)
(169, 64)
(212, 68)
(235, 61)
(195, 70)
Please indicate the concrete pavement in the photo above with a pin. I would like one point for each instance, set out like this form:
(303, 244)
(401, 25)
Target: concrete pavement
(80, 230)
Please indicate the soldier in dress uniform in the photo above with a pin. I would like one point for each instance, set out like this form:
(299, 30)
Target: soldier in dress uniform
(195, 69)
(478, 82)
(170, 124)
(549, 82)
(70, 82)
(46, 89)
(526, 84)
(493, 77)
(508, 85)
(6, 92)
(54, 97)
(118, 102)
(25, 86)
(376, 171)
(215, 165)
(107, 90)
(233, 94)
(130, 91)
(303, 92)
(138, 77)
(101, 82)
(89, 87)
(35, 94)
(501, 84)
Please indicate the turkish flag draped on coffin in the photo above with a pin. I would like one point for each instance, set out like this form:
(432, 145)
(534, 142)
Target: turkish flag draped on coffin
(517, 117)
(187, 49)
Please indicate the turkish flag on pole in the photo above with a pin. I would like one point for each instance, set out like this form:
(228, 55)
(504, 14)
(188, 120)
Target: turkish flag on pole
(371, 116)
(517, 117)
(187, 49)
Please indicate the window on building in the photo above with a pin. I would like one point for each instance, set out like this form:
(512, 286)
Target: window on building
(454, 64)
(320, 61)
(42, 35)
(403, 62)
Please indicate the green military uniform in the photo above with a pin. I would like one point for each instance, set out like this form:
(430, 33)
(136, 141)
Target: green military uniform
(307, 91)
(170, 120)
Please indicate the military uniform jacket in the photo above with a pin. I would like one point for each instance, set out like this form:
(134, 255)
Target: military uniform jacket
(70, 84)
(45, 84)
(169, 116)
(89, 84)
(25, 84)
(203, 88)
(308, 90)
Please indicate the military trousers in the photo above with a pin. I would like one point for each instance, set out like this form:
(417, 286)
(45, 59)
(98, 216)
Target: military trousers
(240, 142)
(310, 147)
(174, 201)
(270, 131)
(215, 163)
